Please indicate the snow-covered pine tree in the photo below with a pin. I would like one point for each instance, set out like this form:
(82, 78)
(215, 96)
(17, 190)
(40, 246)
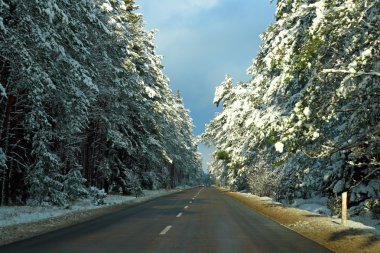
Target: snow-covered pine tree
(78, 104)
(314, 92)
(50, 103)
(228, 131)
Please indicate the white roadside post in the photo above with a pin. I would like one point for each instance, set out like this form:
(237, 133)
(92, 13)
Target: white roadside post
(344, 208)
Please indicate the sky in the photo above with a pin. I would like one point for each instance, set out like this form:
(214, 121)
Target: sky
(202, 41)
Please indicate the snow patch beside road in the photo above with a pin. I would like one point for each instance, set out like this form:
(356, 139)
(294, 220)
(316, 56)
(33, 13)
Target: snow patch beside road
(318, 206)
(326, 230)
(315, 205)
(15, 215)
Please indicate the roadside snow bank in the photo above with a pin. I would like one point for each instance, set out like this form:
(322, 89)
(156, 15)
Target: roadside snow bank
(325, 230)
(14, 215)
(318, 206)
(315, 205)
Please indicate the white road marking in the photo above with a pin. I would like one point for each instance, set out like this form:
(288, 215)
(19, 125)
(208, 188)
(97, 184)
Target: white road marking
(179, 215)
(163, 232)
(198, 193)
(186, 207)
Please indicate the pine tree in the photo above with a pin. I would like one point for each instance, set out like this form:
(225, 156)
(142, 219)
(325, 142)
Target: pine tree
(84, 104)
(312, 114)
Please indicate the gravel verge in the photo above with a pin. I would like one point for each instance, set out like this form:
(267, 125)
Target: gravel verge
(324, 230)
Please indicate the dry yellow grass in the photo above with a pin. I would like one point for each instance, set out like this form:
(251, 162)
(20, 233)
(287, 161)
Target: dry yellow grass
(321, 229)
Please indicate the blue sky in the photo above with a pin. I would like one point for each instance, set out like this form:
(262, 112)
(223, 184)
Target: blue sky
(202, 41)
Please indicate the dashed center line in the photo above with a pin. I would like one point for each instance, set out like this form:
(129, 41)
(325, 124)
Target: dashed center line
(198, 193)
(163, 232)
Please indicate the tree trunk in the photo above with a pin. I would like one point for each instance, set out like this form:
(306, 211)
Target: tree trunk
(172, 176)
(4, 136)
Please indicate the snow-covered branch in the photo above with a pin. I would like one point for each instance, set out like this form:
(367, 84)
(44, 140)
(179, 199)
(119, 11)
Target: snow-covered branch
(352, 72)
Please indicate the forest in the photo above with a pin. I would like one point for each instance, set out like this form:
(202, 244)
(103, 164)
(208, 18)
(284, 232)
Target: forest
(85, 108)
(307, 123)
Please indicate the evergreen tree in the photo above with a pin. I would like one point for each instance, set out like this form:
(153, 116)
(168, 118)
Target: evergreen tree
(84, 103)
(311, 123)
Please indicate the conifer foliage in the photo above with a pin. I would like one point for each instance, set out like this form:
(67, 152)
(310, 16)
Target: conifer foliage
(307, 123)
(84, 104)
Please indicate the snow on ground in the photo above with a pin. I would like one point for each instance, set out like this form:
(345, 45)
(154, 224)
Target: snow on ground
(326, 230)
(13, 215)
(318, 205)
(315, 205)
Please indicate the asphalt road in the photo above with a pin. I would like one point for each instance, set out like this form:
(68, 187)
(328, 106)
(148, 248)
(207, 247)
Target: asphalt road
(197, 220)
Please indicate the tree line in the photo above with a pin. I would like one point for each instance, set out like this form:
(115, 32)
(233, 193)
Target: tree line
(307, 123)
(85, 105)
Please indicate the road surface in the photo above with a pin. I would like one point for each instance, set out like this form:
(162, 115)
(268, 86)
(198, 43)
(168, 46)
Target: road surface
(197, 220)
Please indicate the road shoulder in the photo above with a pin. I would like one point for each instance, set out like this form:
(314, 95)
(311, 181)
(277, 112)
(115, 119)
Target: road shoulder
(318, 228)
